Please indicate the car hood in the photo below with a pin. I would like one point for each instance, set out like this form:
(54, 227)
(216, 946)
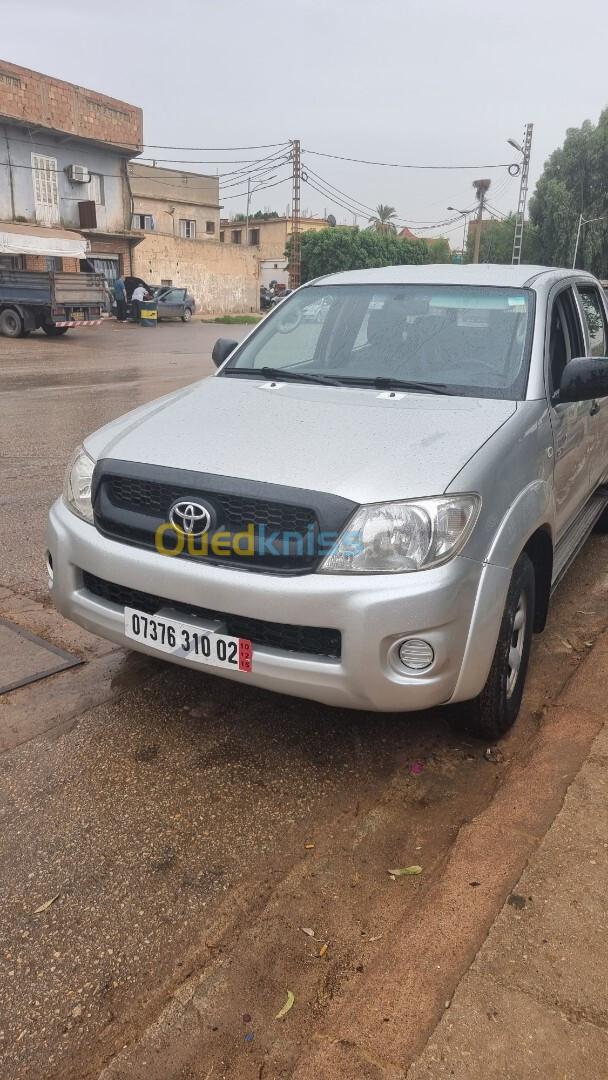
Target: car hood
(361, 444)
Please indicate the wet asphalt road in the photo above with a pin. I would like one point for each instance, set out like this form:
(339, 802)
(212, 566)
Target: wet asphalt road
(167, 813)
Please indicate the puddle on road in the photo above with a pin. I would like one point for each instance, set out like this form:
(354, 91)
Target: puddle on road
(95, 377)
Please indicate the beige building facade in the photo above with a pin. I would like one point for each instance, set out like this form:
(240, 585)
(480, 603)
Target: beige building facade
(178, 217)
(268, 239)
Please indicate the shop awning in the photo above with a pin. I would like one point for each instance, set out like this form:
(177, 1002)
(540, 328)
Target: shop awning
(35, 240)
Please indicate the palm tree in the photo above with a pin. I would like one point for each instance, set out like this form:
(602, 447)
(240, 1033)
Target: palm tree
(382, 220)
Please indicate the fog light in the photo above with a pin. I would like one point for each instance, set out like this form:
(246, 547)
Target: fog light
(416, 654)
(49, 568)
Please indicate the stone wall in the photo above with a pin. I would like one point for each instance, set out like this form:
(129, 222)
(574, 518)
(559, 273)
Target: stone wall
(222, 278)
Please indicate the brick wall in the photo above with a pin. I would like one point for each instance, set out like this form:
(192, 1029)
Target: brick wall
(118, 246)
(51, 103)
(34, 262)
(38, 262)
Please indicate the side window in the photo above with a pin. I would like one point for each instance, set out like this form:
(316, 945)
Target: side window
(565, 337)
(596, 323)
(299, 327)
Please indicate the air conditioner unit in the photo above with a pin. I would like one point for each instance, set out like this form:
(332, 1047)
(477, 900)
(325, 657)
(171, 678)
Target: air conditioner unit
(78, 174)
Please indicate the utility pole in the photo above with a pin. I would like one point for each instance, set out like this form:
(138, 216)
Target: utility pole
(481, 187)
(296, 237)
(523, 194)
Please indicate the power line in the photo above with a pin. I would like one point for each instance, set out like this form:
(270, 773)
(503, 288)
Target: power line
(265, 165)
(392, 165)
(200, 161)
(215, 149)
(355, 202)
(242, 193)
(352, 205)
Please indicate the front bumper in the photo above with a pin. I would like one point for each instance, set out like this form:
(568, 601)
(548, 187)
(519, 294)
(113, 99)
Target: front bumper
(457, 608)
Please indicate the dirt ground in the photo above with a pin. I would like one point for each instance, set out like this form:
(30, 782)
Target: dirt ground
(188, 828)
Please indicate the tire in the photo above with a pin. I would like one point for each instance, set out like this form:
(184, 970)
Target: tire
(601, 525)
(495, 710)
(11, 324)
(187, 315)
(55, 331)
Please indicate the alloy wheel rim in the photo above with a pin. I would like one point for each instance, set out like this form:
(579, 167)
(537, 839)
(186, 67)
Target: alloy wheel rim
(516, 647)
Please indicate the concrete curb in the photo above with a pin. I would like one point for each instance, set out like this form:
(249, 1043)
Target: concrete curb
(404, 996)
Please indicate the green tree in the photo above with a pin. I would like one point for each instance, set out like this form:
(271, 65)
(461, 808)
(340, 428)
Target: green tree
(383, 220)
(330, 251)
(497, 242)
(575, 181)
(261, 215)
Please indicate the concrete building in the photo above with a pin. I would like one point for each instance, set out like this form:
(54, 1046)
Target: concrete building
(268, 236)
(180, 204)
(63, 166)
(178, 217)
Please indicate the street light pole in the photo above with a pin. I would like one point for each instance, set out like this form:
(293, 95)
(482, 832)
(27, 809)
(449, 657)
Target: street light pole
(581, 222)
(250, 189)
(465, 214)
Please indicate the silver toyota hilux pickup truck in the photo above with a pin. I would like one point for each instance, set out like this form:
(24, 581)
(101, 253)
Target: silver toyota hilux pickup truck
(370, 502)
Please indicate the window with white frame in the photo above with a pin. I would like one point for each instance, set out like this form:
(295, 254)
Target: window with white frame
(143, 221)
(46, 188)
(187, 229)
(95, 188)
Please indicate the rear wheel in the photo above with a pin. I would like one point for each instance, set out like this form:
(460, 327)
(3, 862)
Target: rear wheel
(495, 710)
(187, 315)
(55, 331)
(601, 525)
(11, 323)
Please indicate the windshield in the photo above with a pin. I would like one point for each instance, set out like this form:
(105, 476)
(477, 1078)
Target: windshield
(466, 340)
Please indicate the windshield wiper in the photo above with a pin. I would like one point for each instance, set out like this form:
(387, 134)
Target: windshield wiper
(283, 373)
(382, 382)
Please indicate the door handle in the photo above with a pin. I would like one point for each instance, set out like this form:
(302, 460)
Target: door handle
(595, 408)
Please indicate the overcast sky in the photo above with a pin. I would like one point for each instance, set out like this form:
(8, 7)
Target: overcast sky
(435, 82)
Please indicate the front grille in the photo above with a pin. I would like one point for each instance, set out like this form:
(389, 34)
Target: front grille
(234, 511)
(311, 640)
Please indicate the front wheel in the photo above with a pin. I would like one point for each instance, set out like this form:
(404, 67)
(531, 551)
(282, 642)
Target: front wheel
(495, 710)
(187, 315)
(11, 323)
(55, 331)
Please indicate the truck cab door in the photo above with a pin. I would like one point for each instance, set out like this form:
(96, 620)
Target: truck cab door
(596, 341)
(570, 421)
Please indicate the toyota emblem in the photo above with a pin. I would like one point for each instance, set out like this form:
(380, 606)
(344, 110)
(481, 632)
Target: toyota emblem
(190, 517)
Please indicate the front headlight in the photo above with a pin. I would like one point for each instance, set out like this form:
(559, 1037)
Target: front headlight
(77, 485)
(396, 538)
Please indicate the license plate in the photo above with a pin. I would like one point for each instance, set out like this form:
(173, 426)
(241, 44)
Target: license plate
(185, 640)
(78, 314)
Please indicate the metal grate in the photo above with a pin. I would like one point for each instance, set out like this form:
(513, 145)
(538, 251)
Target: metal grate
(235, 511)
(130, 509)
(311, 640)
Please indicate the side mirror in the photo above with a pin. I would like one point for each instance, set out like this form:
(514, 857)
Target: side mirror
(584, 379)
(222, 349)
